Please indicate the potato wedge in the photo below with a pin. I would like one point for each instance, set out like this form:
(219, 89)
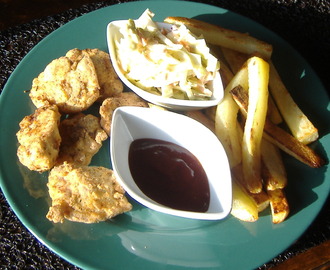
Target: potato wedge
(273, 112)
(298, 123)
(273, 170)
(227, 38)
(226, 120)
(279, 205)
(235, 60)
(278, 136)
(261, 199)
(292, 146)
(258, 71)
(243, 207)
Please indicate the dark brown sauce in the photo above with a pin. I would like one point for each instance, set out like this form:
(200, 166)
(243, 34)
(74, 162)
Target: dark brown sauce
(169, 174)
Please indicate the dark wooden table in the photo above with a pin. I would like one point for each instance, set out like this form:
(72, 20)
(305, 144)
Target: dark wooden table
(304, 24)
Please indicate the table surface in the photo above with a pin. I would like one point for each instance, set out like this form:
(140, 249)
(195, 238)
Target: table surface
(304, 24)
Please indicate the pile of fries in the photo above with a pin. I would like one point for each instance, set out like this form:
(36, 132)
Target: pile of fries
(249, 121)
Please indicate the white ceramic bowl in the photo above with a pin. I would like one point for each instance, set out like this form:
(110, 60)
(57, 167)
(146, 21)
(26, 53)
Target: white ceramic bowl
(171, 103)
(130, 123)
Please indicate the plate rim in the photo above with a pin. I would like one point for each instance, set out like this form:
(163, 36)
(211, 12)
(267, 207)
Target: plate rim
(35, 48)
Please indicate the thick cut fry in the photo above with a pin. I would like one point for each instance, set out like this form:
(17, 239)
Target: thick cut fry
(258, 71)
(279, 205)
(235, 60)
(224, 37)
(276, 135)
(273, 113)
(292, 146)
(243, 207)
(261, 200)
(273, 170)
(300, 126)
(226, 119)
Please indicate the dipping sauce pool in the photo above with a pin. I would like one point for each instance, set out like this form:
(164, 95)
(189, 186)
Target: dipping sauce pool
(169, 174)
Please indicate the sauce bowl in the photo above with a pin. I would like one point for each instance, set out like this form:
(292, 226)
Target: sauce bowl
(132, 123)
(216, 85)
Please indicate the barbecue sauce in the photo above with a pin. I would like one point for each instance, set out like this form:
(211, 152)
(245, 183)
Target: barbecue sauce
(169, 174)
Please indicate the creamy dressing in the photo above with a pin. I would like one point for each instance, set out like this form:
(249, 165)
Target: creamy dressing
(170, 62)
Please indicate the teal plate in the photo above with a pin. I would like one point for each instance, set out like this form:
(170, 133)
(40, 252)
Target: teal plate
(142, 238)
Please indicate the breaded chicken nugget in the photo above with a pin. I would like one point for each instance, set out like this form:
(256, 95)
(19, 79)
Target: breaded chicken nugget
(110, 104)
(82, 137)
(85, 194)
(110, 84)
(71, 85)
(39, 139)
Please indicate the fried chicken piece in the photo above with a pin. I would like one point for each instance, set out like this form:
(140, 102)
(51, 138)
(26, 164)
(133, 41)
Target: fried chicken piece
(39, 139)
(110, 104)
(82, 137)
(110, 84)
(71, 85)
(85, 194)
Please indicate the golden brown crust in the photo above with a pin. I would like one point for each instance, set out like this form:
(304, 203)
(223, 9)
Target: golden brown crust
(110, 84)
(279, 205)
(71, 85)
(279, 137)
(39, 139)
(85, 194)
(82, 137)
(110, 104)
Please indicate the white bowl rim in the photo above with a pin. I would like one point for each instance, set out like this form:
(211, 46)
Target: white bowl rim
(178, 104)
(138, 195)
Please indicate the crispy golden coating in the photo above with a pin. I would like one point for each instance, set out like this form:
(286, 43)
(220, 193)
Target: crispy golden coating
(110, 104)
(71, 85)
(39, 139)
(82, 137)
(85, 194)
(110, 84)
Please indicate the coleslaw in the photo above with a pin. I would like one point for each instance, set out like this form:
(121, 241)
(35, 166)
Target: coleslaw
(170, 62)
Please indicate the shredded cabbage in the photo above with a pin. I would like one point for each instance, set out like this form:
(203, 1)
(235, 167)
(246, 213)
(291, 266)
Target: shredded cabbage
(173, 64)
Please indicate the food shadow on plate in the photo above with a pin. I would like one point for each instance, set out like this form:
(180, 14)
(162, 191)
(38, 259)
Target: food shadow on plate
(33, 182)
(302, 181)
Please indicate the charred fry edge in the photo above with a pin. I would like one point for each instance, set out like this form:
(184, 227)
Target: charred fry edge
(273, 171)
(279, 205)
(280, 137)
